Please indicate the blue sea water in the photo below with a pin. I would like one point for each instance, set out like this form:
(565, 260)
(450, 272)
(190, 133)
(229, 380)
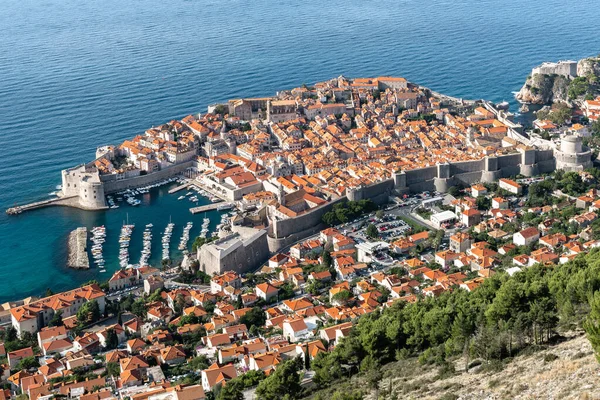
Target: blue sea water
(78, 74)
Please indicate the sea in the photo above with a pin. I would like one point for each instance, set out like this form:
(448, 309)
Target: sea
(75, 75)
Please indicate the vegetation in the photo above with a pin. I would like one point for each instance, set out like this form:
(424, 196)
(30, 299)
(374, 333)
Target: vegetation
(344, 212)
(558, 114)
(254, 318)
(88, 313)
(27, 363)
(194, 277)
(221, 109)
(592, 324)
(372, 231)
(235, 387)
(283, 384)
(199, 241)
(496, 321)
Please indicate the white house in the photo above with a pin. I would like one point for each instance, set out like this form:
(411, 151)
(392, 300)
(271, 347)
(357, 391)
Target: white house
(526, 236)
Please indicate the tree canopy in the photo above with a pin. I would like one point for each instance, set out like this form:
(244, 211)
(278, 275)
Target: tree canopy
(284, 383)
(497, 320)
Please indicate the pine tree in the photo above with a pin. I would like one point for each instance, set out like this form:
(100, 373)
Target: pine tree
(592, 324)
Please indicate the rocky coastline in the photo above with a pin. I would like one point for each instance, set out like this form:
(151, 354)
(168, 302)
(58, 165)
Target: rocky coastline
(560, 87)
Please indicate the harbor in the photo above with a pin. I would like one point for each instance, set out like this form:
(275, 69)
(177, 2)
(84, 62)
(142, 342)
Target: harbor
(105, 249)
(78, 257)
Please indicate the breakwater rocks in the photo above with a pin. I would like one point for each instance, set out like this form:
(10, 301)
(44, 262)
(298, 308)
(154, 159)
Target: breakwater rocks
(78, 256)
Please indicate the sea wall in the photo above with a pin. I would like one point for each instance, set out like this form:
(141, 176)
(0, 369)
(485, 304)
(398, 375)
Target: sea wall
(143, 180)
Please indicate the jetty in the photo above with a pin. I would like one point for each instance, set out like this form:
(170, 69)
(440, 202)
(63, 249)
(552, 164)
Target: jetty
(210, 207)
(78, 257)
(70, 201)
(179, 187)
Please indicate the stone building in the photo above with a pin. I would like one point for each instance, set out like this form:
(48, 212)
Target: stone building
(244, 250)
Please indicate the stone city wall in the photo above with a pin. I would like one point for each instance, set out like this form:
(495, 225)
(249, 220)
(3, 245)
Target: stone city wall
(143, 180)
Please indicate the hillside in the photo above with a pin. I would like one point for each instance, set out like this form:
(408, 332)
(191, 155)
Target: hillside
(563, 371)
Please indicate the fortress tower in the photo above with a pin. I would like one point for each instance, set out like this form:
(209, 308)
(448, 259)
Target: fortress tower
(572, 156)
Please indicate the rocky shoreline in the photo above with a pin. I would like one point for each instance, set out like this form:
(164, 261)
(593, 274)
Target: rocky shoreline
(556, 86)
(78, 257)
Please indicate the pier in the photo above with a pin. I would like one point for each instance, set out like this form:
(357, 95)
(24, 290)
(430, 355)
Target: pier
(179, 187)
(71, 201)
(210, 207)
(78, 257)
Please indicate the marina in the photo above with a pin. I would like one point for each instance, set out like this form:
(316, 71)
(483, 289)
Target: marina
(166, 240)
(98, 238)
(205, 225)
(147, 245)
(124, 240)
(185, 237)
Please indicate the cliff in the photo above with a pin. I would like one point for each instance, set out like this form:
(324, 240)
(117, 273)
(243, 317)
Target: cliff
(588, 66)
(548, 88)
(544, 89)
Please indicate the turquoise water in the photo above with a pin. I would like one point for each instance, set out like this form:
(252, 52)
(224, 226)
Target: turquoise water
(75, 75)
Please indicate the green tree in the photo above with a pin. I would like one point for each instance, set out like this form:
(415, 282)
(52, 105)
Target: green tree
(56, 319)
(591, 324)
(139, 308)
(233, 390)
(372, 231)
(284, 383)
(28, 363)
(343, 297)
(483, 203)
(221, 109)
(88, 313)
(595, 128)
(199, 363)
(112, 340)
(255, 317)
(113, 369)
(326, 258)
(454, 191)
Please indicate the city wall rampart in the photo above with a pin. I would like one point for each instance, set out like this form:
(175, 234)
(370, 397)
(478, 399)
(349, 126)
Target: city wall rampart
(143, 180)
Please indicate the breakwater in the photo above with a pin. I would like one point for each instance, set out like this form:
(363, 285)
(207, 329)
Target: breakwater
(77, 245)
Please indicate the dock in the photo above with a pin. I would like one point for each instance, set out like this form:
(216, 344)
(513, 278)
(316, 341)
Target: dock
(178, 188)
(31, 206)
(210, 207)
(78, 257)
(71, 201)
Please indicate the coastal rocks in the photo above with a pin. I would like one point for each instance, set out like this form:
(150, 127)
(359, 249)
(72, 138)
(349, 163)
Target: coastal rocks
(588, 66)
(78, 257)
(544, 89)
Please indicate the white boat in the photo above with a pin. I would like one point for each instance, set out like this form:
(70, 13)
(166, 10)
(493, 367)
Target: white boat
(181, 198)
